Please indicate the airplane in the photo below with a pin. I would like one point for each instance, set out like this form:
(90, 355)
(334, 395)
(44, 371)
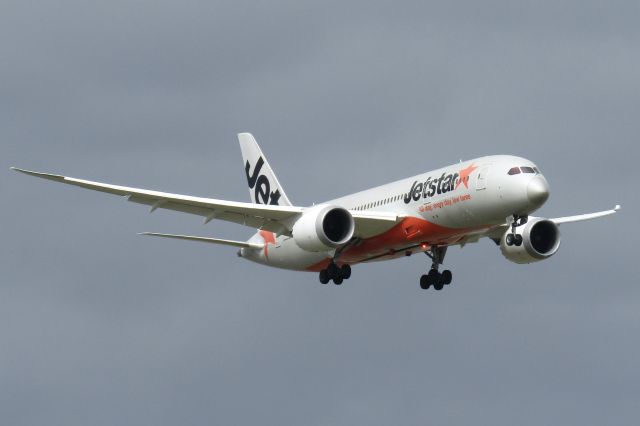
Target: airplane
(487, 197)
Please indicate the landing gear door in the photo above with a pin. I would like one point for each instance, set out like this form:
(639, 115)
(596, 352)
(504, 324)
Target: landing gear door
(481, 182)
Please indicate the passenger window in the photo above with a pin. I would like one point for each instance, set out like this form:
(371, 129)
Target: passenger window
(527, 169)
(514, 171)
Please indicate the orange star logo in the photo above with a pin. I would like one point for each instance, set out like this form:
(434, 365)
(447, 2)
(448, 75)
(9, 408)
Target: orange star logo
(269, 238)
(464, 176)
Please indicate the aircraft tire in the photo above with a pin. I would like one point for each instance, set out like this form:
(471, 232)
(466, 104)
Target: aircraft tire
(446, 277)
(424, 282)
(337, 280)
(509, 240)
(345, 271)
(332, 271)
(324, 277)
(518, 240)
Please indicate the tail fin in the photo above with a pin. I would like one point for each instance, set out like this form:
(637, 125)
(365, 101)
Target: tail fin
(264, 187)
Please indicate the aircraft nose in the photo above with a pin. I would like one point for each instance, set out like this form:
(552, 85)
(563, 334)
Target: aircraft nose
(537, 191)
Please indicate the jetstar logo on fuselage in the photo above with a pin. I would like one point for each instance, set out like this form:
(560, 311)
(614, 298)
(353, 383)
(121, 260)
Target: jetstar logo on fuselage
(436, 186)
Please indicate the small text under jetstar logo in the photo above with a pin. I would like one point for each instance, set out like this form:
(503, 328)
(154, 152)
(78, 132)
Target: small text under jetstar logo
(440, 185)
(260, 184)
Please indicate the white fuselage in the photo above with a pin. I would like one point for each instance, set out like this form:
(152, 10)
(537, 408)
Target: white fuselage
(444, 206)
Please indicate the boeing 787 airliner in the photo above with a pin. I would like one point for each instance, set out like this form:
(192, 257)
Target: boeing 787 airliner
(490, 197)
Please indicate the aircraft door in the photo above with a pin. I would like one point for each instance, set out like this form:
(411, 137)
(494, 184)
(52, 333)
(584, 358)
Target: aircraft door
(481, 181)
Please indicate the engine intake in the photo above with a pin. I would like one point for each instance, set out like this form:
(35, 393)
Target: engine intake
(540, 240)
(323, 227)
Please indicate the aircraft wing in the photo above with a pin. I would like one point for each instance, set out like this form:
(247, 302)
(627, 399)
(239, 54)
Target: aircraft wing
(581, 217)
(274, 218)
(495, 232)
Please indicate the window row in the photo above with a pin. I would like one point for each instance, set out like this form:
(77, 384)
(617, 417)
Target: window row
(379, 202)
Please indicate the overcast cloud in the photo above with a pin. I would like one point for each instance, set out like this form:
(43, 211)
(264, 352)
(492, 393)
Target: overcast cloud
(100, 326)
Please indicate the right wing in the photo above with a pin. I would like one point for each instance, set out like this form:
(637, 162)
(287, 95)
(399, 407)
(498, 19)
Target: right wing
(274, 218)
(271, 218)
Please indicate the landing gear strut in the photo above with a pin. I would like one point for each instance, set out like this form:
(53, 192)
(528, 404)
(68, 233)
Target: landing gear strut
(514, 239)
(335, 273)
(435, 278)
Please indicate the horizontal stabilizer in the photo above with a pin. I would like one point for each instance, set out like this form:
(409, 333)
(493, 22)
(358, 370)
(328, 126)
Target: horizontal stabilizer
(206, 240)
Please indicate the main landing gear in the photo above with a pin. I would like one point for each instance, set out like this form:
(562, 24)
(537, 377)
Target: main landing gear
(335, 273)
(435, 278)
(514, 239)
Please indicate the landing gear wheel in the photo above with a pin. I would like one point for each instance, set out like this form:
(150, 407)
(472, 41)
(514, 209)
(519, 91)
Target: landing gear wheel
(510, 239)
(438, 285)
(424, 282)
(345, 271)
(517, 240)
(333, 271)
(513, 239)
(324, 276)
(337, 280)
(434, 277)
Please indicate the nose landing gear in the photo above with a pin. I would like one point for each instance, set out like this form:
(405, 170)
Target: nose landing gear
(514, 239)
(435, 278)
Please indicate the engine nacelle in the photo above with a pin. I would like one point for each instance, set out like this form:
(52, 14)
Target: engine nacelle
(540, 240)
(323, 227)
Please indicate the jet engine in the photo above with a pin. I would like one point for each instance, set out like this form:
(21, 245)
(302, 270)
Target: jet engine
(540, 240)
(323, 227)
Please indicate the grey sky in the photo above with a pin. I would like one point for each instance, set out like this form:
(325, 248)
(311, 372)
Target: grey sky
(99, 326)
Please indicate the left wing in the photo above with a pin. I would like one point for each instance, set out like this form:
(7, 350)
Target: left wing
(274, 218)
(495, 232)
(589, 216)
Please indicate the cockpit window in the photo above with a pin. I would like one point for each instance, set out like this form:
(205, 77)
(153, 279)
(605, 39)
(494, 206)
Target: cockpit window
(536, 170)
(527, 170)
(513, 171)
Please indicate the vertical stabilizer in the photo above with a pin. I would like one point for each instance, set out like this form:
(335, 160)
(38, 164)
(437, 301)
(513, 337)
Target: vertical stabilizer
(264, 187)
